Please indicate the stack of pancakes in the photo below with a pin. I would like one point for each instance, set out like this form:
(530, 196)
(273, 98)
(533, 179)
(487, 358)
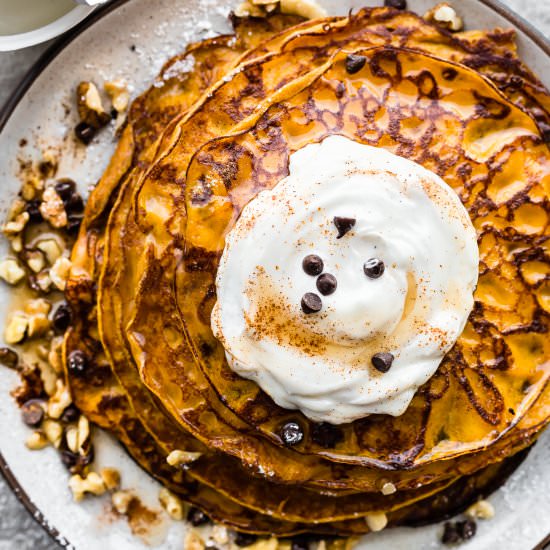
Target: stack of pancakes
(216, 128)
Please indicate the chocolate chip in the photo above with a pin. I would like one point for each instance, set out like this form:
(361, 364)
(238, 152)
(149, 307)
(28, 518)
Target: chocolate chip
(449, 73)
(33, 210)
(326, 435)
(77, 363)
(84, 132)
(311, 303)
(344, 225)
(397, 4)
(292, 434)
(73, 225)
(74, 204)
(65, 188)
(76, 463)
(69, 459)
(354, 63)
(62, 318)
(70, 414)
(32, 413)
(326, 284)
(197, 517)
(245, 539)
(466, 529)
(313, 265)
(9, 358)
(382, 361)
(374, 268)
(450, 533)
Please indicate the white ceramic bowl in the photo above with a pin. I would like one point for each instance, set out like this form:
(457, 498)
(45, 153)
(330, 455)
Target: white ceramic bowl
(51, 30)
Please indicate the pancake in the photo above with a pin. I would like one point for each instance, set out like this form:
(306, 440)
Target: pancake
(165, 376)
(481, 391)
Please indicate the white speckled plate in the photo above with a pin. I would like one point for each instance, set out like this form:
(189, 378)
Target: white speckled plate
(101, 49)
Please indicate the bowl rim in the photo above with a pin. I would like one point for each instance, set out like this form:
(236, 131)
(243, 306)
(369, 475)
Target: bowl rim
(18, 41)
(73, 31)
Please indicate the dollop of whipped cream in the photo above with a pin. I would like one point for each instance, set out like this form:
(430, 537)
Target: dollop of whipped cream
(321, 363)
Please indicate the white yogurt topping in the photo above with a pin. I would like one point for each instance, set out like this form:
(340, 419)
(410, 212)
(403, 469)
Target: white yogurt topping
(320, 363)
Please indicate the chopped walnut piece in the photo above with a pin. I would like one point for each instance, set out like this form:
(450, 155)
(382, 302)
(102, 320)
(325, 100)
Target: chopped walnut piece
(28, 192)
(121, 501)
(309, 9)
(376, 521)
(53, 431)
(51, 249)
(71, 437)
(34, 184)
(16, 329)
(111, 478)
(16, 243)
(37, 312)
(92, 483)
(49, 378)
(53, 209)
(119, 94)
(49, 163)
(171, 503)
(220, 534)
(248, 9)
(38, 325)
(83, 432)
(59, 401)
(90, 106)
(31, 386)
(37, 441)
(41, 281)
(16, 208)
(54, 354)
(15, 226)
(11, 271)
(35, 259)
(388, 489)
(181, 458)
(60, 271)
(37, 307)
(193, 541)
(445, 16)
(482, 509)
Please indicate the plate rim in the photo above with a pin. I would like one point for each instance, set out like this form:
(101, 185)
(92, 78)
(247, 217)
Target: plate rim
(47, 57)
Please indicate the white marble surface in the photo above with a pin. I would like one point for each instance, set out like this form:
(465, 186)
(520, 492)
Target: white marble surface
(18, 530)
